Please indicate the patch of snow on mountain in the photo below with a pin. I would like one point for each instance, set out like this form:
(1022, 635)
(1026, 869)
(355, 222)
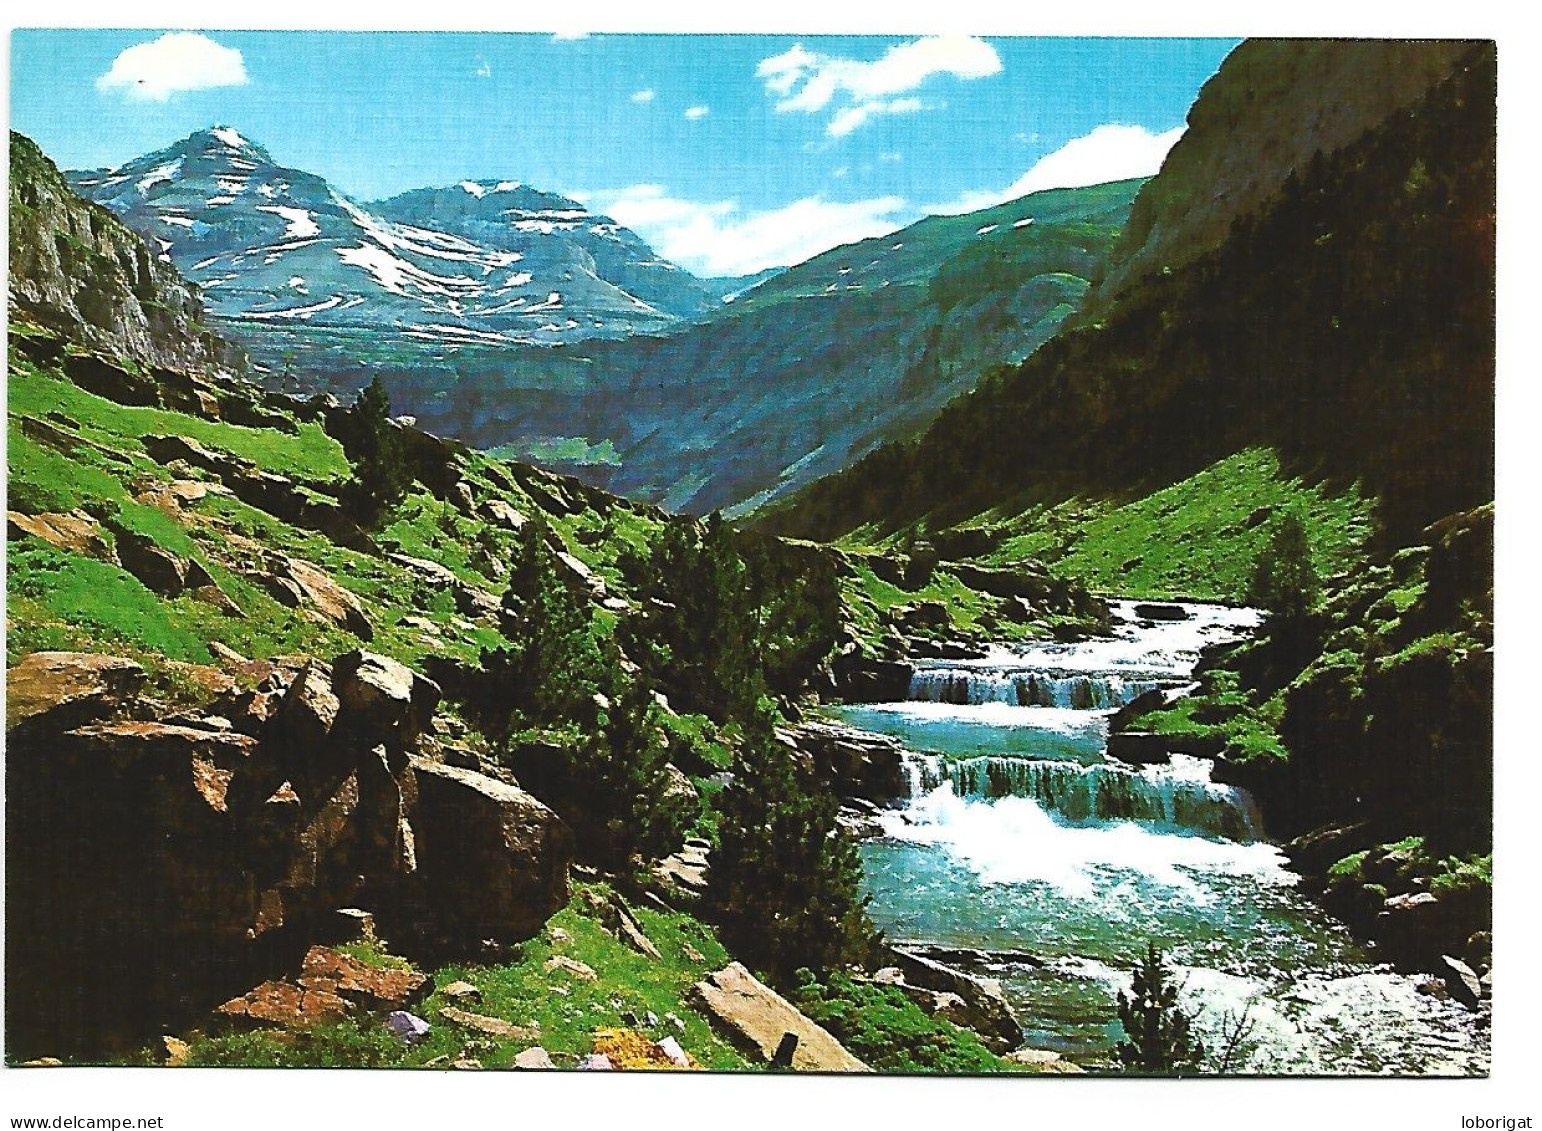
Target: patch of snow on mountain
(228, 136)
(395, 274)
(301, 224)
(543, 227)
(179, 221)
(389, 271)
(1024, 222)
(987, 230)
(155, 176)
(547, 213)
(469, 334)
(301, 312)
(218, 200)
(474, 189)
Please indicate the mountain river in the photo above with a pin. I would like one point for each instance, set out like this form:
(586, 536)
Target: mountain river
(1019, 838)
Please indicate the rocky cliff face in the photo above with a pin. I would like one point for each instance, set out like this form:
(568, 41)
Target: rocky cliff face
(233, 836)
(77, 271)
(1271, 108)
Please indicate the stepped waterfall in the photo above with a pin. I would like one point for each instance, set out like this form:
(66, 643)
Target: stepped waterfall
(1179, 797)
(1019, 836)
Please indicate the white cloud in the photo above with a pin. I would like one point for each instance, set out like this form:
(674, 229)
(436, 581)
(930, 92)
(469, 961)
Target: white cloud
(1108, 153)
(698, 112)
(177, 61)
(644, 95)
(806, 81)
(859, 115)
(720, 238)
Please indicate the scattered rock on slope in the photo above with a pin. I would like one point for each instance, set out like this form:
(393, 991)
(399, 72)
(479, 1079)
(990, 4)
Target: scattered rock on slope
(757, 1016)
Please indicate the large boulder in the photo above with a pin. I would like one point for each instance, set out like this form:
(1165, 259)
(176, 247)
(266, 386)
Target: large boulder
(235, 836)
(492, 860)
(130, 847)
(1461, 981)
(1033, 583)
(76, 533)
(1139, 748)
(61, 689)
(985, 1008)
(856, 763)
(301, 585)
(859, 678)
(1154, 700)
(104, 378)
(759, 1019)
(385, 699)
(166, 449)
(156, 568)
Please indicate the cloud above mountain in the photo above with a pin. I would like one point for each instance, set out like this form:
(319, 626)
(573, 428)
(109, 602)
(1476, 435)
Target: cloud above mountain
(859, 91)
(178, 61)
(714, 238)
(1109, 153)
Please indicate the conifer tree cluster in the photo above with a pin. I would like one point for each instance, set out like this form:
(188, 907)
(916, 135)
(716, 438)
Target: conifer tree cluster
(571, 720)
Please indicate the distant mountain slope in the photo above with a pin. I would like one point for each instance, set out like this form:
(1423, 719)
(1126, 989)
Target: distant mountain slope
(1346, 321)
(75, 270)
(804, 372)
(299, 272)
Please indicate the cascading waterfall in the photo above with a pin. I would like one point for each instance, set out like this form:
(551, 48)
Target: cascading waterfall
(1020, 836)
(1179, 797)
(1025, 689)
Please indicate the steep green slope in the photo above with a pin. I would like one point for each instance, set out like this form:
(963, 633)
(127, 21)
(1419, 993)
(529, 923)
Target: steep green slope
(1284, 102)
(1197, 538)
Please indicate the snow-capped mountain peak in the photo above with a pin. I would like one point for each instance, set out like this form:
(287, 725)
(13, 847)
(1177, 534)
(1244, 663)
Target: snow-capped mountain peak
(476, 263)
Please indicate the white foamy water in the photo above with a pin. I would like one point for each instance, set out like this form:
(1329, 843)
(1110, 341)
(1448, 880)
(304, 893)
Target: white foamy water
(1013, 840)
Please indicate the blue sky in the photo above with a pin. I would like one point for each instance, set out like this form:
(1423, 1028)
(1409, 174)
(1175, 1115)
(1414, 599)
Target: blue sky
(727, 152)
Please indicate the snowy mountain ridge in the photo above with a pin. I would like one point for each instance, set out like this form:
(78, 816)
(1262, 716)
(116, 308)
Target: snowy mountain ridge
(488, 262)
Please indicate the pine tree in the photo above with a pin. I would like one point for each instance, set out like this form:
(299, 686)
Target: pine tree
(551, 668)
(1284, 580)
(1159, 1040)
(786, 879)
(377, 451)
(623, 784)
